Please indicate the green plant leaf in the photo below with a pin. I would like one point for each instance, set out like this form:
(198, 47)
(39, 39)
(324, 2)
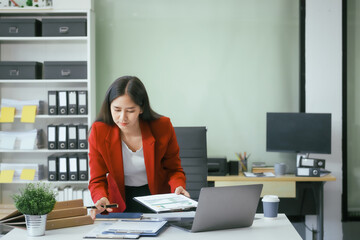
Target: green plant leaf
(35, 199)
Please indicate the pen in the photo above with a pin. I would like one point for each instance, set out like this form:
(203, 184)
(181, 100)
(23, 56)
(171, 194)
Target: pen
(114, 205)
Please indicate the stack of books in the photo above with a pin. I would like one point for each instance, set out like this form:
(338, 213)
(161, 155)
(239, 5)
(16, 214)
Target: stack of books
(260, 167)
(65, 214)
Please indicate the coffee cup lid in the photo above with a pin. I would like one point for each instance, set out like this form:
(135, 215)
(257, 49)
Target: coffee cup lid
(271, 198)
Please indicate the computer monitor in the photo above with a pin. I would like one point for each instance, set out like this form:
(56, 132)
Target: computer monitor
(302, 133)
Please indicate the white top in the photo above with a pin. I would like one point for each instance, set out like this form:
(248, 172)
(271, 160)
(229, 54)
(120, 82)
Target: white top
(134, 166)
(269, 229)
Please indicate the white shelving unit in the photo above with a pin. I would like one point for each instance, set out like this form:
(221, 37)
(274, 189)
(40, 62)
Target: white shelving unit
(46, 49)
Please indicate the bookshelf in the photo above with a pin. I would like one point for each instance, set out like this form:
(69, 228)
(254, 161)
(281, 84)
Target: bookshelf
(40, 49)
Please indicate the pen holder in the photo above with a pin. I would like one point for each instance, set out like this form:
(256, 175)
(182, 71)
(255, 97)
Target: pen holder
(243, 165)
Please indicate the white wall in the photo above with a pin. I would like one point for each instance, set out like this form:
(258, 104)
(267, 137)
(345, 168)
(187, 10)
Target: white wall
(324, 94)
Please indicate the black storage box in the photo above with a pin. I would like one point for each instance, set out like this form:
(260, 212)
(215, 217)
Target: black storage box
(20, 70)
(65, 70)
(64, 27)
(19, 27)
(217, 166)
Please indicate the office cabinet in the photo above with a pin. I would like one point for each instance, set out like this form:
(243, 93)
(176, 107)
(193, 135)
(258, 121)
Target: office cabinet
(79, 48)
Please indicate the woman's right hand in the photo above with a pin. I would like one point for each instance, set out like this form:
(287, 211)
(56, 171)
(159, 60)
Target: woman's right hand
(99, 209)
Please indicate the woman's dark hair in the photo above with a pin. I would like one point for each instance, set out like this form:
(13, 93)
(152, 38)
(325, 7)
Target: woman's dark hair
(133, 87)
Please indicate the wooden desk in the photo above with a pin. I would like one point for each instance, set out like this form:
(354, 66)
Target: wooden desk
(283, 186)
(276, 229)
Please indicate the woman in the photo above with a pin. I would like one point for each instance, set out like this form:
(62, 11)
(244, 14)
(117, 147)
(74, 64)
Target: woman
(133, 151)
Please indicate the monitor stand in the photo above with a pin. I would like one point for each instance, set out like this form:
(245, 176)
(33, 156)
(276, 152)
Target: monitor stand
(299, 156)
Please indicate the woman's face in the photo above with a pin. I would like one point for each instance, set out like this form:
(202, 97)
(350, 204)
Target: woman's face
(125, 112)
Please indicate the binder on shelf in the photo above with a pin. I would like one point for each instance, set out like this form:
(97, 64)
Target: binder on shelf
(63, 168)
(63, 103)
(53, 167)
(82, 101)
(72, 137)
(83, 167)
(82, 137)
(52, 103)
(73, 168)
(52, 137)
(62, 137)
(72, 104)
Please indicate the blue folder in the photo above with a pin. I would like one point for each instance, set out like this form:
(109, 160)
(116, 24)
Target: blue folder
(119, 215)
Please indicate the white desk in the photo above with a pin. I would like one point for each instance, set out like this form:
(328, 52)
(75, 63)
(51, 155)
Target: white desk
(283, 186)
(277, 229)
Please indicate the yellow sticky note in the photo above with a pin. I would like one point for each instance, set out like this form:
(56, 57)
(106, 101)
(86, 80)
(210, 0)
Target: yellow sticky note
(7, 114)
(27, 174)
(6, 176)
(28, 114)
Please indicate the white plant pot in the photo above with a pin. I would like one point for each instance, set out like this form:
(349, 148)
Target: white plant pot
(35, 225)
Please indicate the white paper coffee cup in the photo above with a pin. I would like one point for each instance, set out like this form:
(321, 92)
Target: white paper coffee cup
(270, 206)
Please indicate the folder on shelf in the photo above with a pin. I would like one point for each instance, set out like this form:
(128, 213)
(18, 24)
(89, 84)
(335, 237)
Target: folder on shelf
(28, 174)
(62, 137)
(82, 137)
(28, 114)
(7, 114)
(63, 103)
(52, 137)
(28, 140)
(52, 103)
(82, 101)
(53, 167)
(18, 105)
(19, 167)
(72, 137)
(83, 167)
(72, 104)
(63, 168)
(7, 140)
(7, 176)
(73, 168)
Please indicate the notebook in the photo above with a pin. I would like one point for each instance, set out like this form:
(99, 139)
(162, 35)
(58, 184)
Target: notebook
(224, 208)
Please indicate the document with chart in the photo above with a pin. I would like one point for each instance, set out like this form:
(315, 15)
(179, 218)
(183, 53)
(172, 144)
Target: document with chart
(167, 202)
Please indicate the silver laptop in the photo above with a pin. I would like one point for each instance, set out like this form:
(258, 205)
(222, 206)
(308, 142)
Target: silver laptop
(224, 208)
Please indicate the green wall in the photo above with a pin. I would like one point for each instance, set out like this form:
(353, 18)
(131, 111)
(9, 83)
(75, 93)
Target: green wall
(220, 64)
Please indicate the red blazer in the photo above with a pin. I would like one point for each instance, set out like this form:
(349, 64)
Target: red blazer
(161, 154)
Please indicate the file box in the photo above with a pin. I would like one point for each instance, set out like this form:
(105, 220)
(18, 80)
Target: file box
(64, 27)
(20, 70)
(12, 27)
(65, 70)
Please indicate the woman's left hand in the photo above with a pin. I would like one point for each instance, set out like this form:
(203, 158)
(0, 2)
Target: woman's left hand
(181, 190)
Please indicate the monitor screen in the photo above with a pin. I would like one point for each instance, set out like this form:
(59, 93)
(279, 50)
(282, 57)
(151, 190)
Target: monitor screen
(298, 132)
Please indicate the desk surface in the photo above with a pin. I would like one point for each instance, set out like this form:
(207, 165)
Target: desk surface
(285, 178)
(277, 229)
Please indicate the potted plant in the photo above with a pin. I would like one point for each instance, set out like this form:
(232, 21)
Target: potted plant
(35, 201)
